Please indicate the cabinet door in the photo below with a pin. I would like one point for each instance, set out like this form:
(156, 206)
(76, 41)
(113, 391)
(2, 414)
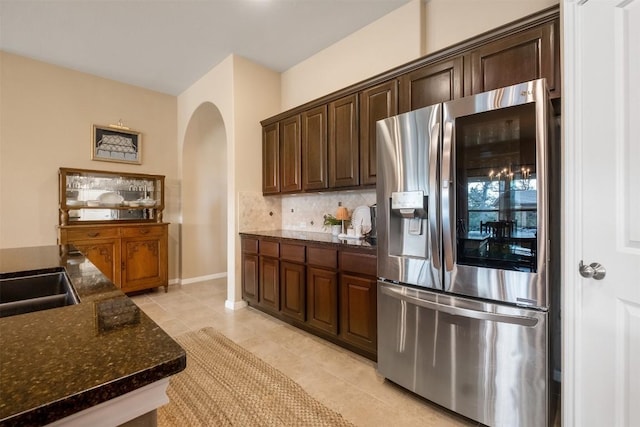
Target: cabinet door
(314, 149)
(343, 142)
(250, 278)
(292, 290)
(431, 84)
(528, 55)
(358, 315)
(269, 292)
(144, 262)
(322, 299)
(271, 159)
(376, 103)
(290, 155)
(105, 255)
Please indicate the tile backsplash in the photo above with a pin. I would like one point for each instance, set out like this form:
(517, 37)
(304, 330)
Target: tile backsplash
(306, 211)
(256, 212)
(296, 211)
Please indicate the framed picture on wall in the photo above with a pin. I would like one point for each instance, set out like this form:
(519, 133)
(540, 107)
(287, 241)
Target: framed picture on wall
(116, 144)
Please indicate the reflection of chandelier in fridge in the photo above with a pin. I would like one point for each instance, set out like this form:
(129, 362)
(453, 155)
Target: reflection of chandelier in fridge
(507, 173)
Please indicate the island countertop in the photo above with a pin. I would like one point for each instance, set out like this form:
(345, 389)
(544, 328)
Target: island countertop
(57, 362)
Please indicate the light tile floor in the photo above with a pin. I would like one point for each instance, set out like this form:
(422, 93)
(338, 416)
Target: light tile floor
(342, 380)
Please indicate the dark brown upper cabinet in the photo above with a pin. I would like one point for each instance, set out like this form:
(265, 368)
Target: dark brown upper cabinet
(343, 142)
(271, 159)
(336, 140)
(528, 55)
(290, 170)
(431, 84)
(314, 149)
(376, 103)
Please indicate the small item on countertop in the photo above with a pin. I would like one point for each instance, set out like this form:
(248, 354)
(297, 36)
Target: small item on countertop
(362, 216)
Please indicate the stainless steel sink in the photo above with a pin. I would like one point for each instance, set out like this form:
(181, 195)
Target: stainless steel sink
(32, 291)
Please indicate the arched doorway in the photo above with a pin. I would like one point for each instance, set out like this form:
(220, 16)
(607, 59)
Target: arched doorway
(204, 197)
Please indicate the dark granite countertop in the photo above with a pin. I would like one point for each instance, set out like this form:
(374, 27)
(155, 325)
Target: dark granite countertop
(57, 362)
(309, 236)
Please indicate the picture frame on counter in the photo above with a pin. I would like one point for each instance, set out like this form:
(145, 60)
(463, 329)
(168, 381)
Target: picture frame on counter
(116, 143)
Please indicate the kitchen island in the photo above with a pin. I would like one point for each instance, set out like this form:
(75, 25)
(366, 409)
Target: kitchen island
(61, 362)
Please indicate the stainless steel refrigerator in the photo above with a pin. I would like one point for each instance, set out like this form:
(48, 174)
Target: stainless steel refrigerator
(464, 254)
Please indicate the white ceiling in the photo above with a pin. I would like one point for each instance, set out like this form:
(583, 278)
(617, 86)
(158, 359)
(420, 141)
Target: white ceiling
(167, 45)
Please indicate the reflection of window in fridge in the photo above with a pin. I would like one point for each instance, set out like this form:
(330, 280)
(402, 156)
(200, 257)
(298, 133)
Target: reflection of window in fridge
(489, 200)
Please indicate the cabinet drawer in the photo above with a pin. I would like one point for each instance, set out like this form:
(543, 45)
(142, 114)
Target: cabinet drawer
(323, 257)
(268, 248)
(358, 263)
(250, 246)
(143, 231)
(92, 233)
(295, 253)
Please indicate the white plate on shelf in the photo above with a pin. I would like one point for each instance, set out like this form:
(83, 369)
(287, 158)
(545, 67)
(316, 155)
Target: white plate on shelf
(361, 216)
(110, 199)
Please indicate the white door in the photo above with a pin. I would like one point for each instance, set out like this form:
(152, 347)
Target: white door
(601, 318)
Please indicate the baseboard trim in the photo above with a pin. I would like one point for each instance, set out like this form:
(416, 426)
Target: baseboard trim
(201, 278)
(235, 305)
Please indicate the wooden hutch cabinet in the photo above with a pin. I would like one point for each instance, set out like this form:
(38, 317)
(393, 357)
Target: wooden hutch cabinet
(115, 220)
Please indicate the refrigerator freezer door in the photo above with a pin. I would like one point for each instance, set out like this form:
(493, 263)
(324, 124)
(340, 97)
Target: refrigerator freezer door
(485, 361)
(408, 221)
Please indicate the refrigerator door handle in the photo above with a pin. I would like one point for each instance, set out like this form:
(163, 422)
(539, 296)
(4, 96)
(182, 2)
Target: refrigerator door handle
(434, 197)
(459, 311)
(446, 196)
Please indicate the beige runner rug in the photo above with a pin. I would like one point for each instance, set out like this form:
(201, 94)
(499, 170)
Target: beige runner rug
(225, 385)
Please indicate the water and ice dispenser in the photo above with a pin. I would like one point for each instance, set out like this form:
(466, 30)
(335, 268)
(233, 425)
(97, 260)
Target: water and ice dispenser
(408, 224)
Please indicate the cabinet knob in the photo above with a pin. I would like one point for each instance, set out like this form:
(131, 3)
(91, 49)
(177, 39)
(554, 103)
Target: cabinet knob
(94, 234)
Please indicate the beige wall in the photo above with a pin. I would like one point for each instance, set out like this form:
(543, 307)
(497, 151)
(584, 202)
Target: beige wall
(244, 93)
(204, 196)
(386, 43)
(46, 115)
(416, 29)
(451, 21)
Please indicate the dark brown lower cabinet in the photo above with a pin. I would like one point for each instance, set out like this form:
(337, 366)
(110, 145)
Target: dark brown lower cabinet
(324, 289)
(358, 317)
(250, 278)
(322, 299)
(269, 290)
(293, 290)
